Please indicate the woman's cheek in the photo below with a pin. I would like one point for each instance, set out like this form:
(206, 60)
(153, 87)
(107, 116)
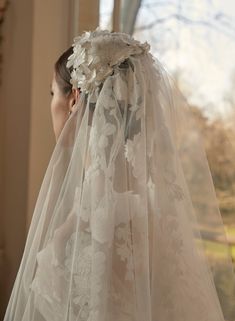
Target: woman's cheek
(59, 115)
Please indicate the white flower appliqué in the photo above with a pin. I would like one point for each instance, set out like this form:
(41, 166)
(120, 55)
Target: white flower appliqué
(96, 54)
(133, 154)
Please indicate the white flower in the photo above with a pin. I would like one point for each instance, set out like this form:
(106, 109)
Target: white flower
(134, 155)
(97, 54)
(132, 148)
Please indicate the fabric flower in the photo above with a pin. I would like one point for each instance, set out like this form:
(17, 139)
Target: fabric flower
(97, 54)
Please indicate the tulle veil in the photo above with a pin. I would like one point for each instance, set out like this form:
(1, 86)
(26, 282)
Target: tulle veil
(126, 208)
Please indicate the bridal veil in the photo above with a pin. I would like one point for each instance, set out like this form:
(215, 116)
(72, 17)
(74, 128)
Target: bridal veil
(127, 205)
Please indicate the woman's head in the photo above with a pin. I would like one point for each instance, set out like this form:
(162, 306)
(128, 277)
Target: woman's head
(62, 73)
(63, 95)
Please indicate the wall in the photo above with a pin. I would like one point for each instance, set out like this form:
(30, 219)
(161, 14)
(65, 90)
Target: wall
(14, 115)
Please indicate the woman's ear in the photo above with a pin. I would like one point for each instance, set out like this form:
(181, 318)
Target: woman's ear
(73, 98)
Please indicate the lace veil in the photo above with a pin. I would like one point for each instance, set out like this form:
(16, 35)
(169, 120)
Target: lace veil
(126, 215)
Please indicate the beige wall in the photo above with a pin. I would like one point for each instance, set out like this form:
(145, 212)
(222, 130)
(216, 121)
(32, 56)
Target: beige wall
(14, 115)
(87, 15)
(35, 32)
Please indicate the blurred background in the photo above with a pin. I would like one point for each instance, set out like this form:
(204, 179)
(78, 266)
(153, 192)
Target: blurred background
(194, 39)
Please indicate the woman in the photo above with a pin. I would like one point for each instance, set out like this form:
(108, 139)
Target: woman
(115, 234)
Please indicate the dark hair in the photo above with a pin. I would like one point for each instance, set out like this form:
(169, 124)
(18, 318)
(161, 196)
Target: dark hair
(62, 73)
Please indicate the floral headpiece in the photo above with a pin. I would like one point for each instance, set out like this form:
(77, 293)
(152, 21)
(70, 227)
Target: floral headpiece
(96, 54)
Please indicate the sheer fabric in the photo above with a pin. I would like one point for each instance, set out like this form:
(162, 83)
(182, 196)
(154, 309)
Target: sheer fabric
(119, 226)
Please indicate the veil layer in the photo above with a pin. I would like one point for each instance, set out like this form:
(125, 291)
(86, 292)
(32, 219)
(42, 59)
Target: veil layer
(125, 212)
